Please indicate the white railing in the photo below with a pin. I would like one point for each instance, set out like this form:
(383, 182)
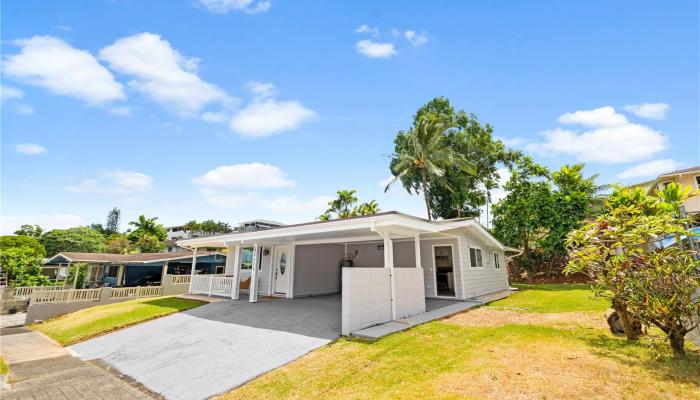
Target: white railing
(180, 279)
(136, 292)
(25, 292)
(212, 285)
(65, 296)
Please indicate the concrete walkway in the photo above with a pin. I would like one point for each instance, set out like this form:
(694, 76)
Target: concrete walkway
(216, 347)
(10, 320)
(41, 369)
(435, 309)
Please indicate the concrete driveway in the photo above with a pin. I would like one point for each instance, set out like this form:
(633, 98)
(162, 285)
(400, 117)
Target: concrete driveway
(216, 347)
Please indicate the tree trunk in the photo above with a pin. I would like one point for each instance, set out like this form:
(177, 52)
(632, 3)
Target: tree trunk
(625, 320)
(677, 344)
(426, 194)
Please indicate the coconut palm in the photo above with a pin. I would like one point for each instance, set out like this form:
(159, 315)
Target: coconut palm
(428, 154)
(369, 208)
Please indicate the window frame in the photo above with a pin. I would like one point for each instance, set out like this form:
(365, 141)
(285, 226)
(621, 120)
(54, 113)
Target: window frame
(496, 260)
(475, 264)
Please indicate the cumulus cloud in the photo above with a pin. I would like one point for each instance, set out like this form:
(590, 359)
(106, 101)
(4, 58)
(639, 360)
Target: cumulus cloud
(607, 137)
(161, 73)
(245, 176)
(656, 111)
(23, 109)
(268, 117)
(53, 64)
(10, 93)
(372, 49)
(364, 28)
(599, 117)
(414, 38)
(246, 6)
(261, 89)
(30, 149)
(649, 169)
(115, 181)
(47, 221)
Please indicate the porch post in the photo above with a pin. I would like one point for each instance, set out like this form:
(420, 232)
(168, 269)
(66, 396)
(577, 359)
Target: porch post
(163, 273)
(253, 290)
(194, 265)
(389, 263)
(120, 275)
(234, 253)
(416, 239)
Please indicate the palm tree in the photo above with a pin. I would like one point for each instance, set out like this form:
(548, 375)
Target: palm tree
(342, 206)
(147, 226)
(428, 154)
(369, 208)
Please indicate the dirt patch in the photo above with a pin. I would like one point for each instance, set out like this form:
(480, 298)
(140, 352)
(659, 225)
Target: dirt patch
(556, 371)
(488, 317)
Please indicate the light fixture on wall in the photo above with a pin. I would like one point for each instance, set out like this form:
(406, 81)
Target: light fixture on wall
(266, 251)
(380, 247)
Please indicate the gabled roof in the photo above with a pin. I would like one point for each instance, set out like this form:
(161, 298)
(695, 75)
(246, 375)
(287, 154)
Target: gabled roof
(681, 171)
(128, 258)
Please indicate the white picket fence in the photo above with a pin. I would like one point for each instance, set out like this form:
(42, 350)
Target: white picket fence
(136, 292)
(25, 292)
(65, 296)
(180, 279)
(212, 285)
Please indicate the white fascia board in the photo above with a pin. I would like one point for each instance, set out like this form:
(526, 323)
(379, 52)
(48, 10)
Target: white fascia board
(486, 234)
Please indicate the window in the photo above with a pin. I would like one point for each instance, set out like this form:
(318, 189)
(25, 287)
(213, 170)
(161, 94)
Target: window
(247, 258)
(475, 258)
(112, 271)
(496, 261)
(219, 269)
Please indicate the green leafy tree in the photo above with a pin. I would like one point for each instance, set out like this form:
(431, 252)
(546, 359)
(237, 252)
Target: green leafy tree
(209, 226)
(23, 266)
(113, 221)
(459, 191)
(28, 242)
(80, 269)
(149, 244)
(97, 227)
(344, 206)
(118, 244)
(147, 226)
(79, 239)
(28, 230)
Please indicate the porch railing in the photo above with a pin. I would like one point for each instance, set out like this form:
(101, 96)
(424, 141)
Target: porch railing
(180, 279)
(65, 296)
(136, 292)
(25, 292)
(212, 285)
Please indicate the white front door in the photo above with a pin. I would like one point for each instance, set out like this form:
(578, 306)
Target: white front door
(281, 277)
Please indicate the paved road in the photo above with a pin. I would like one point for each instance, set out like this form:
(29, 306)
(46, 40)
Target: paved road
(41, 369)
(216, 347)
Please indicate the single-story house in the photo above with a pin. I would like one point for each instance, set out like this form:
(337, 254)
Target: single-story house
(384, 265)
(143, 269)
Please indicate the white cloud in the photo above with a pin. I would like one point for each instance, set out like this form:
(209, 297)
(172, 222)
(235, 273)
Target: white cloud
(215, 116)
(416, 39)
(246, 6)
(610, 139)
(121, 111)
(245, 176)
(10, 93)
(597, 118)
(53, 64)
(649, 169)
(23, 109)
(261, 89)
(364, 28)
(374, 49)
(163, 74)
(47, 221)
(265, 118)
(115, 181)
(64, 28)
(656, 111)
(30, 149)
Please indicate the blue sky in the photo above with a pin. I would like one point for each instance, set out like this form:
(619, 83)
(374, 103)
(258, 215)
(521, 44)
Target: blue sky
(241, 109)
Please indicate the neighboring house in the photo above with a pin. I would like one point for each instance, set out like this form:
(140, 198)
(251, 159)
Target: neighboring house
(383, 265)
(687, 177)
(257, 224)
(133, 269)
(176, 233)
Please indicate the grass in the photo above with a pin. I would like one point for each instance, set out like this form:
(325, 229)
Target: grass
(95, 321)
(553, 299)
(3, 367)
(465, 357)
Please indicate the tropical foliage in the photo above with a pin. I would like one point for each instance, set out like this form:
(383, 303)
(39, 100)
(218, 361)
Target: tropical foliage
(79, 239)
(21, 257)
(345, 206)
(28, 230)
(455, 188)
(623, 250)
(149, 235)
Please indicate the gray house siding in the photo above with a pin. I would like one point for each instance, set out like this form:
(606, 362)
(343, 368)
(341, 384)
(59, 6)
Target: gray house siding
(488, 279)
(317, 269)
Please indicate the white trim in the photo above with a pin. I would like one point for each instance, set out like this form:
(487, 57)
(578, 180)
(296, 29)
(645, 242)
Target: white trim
(253, 288)
(496, 260)
(454, 281)
(481, 250)
(273, 270)
(290, 265)
(236, 289)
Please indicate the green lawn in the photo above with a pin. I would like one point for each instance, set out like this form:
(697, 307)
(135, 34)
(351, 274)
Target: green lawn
(459, 357)
(94, 321)
(553, 299)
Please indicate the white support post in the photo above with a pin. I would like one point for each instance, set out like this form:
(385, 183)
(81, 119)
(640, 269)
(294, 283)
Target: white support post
(164, 274)
(253, 290)
(234, 252)
(120, 275)
(389, 263)
(211, 282)
(194, 266)
(416, 239)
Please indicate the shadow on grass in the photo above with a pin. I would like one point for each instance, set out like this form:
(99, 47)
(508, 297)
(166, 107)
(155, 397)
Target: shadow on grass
(175, 303)
(548, 287)
(650, 353)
